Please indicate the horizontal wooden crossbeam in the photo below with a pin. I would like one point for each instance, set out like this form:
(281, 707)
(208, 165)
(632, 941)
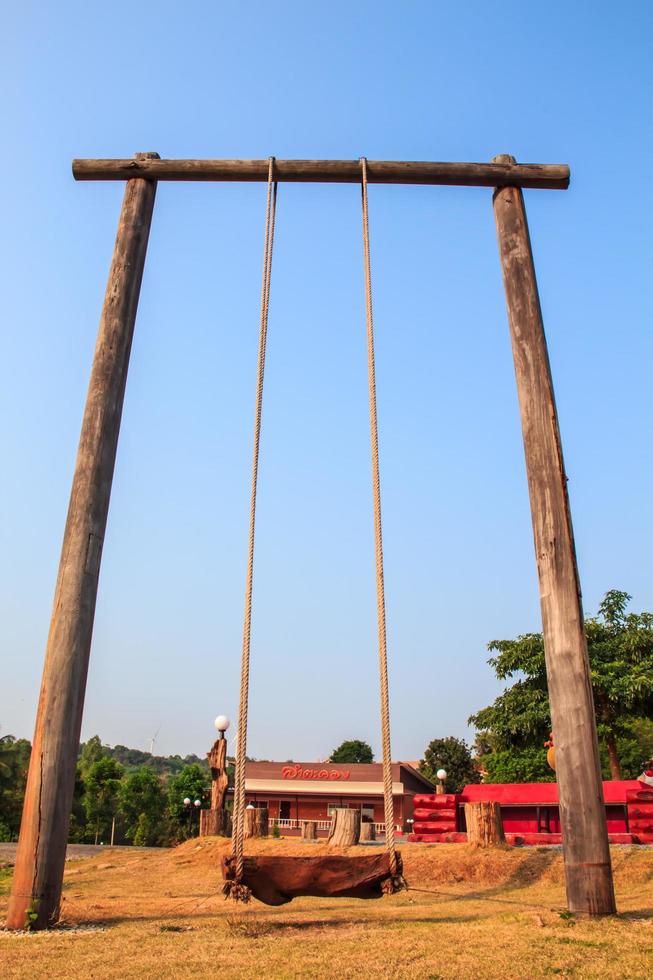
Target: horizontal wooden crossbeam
(552, 176)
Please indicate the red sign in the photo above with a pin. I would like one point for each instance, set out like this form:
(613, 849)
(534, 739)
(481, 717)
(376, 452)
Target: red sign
(298, 772)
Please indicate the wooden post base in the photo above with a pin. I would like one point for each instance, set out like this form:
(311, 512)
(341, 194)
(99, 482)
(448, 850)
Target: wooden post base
(367, 832)
(345, 828)
(256, 822)
(215, 823)
(309, 830)
(484, 824)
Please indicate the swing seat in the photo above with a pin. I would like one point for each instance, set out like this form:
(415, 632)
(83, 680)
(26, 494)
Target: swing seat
(277, 880)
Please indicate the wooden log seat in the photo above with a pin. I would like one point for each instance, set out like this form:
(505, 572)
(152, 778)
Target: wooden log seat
(276, 880)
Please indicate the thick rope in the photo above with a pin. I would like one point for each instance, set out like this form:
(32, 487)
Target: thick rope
(238, 836)
(378, 542)
(235, 887)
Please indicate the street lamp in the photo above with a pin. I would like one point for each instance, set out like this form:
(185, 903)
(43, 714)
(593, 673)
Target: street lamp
(442, 775)
(187, 805)
(222, 723)
(196, 804)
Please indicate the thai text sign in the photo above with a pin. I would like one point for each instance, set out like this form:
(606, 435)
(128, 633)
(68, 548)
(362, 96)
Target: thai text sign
(298, 772)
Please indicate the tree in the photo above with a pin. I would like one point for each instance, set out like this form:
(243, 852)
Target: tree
(77, 827)
(89, 753)
(634, 748)
(453, 755)
(353, 750)
(620, 648)
(193, 783)
(14, 763)
(102, 791)
(142, 805)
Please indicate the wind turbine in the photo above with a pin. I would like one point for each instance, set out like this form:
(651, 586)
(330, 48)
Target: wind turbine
(153, 740)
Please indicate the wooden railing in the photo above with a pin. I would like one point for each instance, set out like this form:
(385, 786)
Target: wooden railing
(284, 823)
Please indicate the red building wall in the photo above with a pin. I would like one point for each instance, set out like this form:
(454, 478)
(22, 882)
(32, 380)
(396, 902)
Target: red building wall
(530, 814)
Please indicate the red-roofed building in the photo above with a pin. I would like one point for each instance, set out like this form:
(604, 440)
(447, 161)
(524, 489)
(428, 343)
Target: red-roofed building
(296, 791)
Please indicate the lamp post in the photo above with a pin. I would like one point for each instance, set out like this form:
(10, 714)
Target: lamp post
(218, 763)
(192, 806)
(215, 820)
(442, 775)
(187, 803)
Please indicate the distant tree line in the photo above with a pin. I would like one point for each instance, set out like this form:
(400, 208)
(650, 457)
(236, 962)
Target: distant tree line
(142, 793)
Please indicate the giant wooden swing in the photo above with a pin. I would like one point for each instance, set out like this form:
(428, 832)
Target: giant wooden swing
(48, 798)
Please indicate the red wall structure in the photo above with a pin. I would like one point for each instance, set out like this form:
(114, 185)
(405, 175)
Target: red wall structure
(530, 812)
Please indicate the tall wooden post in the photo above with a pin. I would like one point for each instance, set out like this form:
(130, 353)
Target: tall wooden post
(588, 870)
(219, 780)
(217, 820)
(50, 783)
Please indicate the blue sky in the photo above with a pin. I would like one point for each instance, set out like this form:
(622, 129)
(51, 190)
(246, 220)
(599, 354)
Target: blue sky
(416, 80)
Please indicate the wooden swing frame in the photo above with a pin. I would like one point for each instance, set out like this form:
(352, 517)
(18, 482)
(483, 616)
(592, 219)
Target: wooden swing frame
(38, 876)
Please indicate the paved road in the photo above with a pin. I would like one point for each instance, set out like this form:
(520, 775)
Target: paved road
(74, 851)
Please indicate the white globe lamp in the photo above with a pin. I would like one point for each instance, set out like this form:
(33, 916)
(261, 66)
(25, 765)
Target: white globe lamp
(222, 723)
(441, 774)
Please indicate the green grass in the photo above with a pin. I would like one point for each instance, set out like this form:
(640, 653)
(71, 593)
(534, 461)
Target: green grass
(6, 875)
(497, 915)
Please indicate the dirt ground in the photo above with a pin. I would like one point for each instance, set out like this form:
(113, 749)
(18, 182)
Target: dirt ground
(468, 913)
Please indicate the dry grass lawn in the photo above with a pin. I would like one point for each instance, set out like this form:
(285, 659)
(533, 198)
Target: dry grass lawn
(469, 914)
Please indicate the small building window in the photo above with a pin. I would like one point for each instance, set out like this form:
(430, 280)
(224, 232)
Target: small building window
(336, 806)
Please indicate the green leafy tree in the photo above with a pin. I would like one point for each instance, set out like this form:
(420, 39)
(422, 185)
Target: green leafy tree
(634, 748)
(14, 763)
(193, 783)
(102, 793)
(89, 753)
(147, 832)
(142, 806)
(353, 750)
(452, 755)
(620, 647)
(529, 765)
(77, 828)
(518, 766)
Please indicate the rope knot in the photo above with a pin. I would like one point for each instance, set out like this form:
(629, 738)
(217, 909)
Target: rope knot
(395, 882)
